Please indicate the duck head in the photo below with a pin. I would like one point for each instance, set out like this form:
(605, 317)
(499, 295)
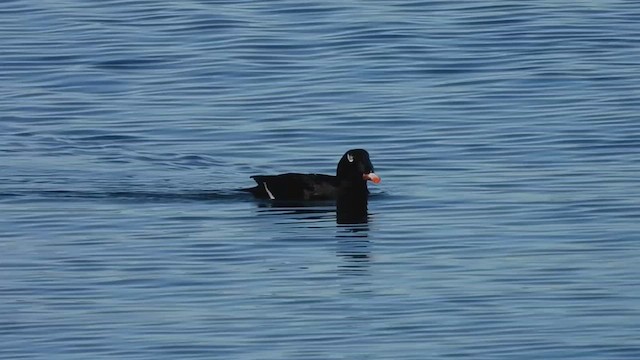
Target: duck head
(355, 166)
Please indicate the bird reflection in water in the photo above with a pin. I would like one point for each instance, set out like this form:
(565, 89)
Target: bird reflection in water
(353, 244)
(346, 212)
(354, 247)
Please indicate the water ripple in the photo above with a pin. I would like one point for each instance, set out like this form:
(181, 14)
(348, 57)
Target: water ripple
(504, 132)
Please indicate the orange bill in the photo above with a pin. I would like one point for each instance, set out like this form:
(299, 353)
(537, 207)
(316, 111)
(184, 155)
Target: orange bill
(371, 176)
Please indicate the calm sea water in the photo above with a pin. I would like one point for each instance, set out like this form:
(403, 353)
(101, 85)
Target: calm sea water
(506, 134)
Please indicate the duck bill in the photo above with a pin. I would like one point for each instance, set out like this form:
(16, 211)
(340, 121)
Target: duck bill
(371, 176)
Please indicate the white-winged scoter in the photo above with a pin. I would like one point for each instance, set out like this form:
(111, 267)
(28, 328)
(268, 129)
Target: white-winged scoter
(348, 186)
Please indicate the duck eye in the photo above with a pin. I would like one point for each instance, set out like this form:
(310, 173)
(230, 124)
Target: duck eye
(350, 157)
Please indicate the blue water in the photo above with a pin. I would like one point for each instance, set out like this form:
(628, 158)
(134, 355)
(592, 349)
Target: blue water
(506, 134)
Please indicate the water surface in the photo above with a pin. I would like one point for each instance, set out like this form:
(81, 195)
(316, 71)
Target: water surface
(506, 224)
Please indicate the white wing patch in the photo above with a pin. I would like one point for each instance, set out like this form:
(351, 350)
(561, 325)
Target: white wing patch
(268, 192)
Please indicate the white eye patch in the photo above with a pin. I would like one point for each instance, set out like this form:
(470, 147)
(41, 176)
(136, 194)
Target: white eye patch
(350, 157)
